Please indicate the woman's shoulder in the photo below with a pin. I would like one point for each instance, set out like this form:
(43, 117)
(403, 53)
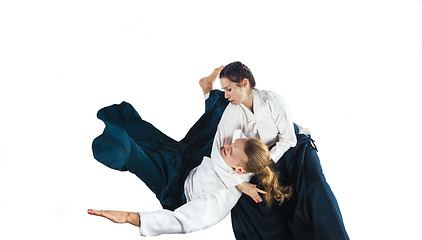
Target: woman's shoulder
(271, 98)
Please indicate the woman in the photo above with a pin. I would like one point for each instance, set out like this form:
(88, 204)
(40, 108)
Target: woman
(208, 198)
(166, 163)
(313, 213)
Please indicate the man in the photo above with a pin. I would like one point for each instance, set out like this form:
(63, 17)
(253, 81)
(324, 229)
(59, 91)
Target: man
(209, 196)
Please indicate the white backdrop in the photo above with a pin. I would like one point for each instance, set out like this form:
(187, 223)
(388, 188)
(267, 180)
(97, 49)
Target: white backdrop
(348, 69)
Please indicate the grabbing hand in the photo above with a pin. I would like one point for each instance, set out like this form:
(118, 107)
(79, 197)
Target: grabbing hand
(117, 216)
(251, 190)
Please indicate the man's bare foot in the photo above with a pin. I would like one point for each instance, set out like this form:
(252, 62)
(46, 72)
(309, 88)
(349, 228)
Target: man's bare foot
(206, 83)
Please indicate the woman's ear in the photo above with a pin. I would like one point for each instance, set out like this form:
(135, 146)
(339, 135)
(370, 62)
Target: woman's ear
(245, 82)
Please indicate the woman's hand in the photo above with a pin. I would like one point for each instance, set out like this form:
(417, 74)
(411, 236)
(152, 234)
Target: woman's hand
(118, 216)
(251, 190)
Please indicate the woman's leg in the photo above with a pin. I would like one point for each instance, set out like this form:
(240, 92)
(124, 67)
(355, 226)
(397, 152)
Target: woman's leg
(312, 212)
(316, 214)
(251, 220)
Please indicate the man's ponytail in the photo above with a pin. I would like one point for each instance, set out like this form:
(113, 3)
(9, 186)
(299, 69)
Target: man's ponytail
(259, 164)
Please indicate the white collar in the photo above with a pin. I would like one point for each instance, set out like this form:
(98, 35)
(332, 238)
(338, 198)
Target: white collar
(226, 173)
(257, 103)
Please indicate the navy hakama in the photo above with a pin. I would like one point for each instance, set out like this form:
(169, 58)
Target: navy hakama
(311, 214)
(129, 143)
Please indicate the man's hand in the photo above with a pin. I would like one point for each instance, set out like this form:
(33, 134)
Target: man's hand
(118, 216)
(251, 190)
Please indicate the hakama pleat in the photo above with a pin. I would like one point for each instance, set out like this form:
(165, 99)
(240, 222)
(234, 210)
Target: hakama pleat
(312, 213)
(129, 143)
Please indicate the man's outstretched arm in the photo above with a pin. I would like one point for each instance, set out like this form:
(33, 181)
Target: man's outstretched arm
(118, 216)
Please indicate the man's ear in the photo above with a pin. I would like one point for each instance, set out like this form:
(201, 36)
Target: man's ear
(240, 170)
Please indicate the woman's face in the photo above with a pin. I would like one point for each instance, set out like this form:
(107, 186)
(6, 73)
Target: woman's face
(233, 92)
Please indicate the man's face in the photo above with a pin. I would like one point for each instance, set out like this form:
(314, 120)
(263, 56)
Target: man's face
(234, 155)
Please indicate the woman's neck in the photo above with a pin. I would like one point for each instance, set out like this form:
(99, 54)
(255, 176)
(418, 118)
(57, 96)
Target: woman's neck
(248, 102)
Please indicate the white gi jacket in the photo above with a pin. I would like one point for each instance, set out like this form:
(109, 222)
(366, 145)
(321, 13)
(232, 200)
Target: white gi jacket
(210, 197)
(270, 122)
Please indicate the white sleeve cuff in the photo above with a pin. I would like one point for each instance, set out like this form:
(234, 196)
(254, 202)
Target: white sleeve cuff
(206, 96)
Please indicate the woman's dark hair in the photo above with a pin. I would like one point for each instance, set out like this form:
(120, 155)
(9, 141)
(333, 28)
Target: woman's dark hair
(236, 72)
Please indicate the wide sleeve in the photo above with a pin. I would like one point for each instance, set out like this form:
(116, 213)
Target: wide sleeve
(229, 122)
(200, 213)
(286, 134)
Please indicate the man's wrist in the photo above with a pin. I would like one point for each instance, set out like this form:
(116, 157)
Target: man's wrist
(134, 219)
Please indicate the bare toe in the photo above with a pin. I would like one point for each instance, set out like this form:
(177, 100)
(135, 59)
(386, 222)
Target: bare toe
(206, 83)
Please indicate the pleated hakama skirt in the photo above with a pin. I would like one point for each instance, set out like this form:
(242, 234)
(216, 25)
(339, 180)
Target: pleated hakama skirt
(130, 143)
